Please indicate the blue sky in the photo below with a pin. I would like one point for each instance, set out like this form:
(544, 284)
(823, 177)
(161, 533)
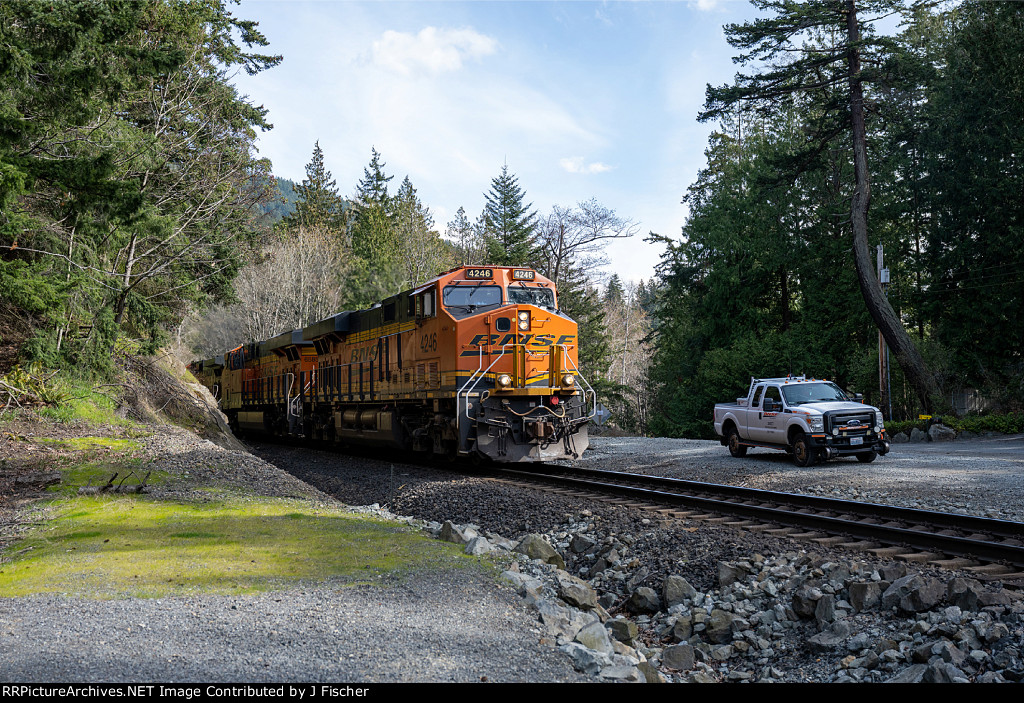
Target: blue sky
(581, 100)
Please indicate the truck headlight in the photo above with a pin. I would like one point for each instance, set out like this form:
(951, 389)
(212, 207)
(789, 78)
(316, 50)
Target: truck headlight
(816, 424)
(879, 421)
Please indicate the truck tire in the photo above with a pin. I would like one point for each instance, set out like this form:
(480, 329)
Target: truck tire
(803, 455)
(866, 457)
(733, 440)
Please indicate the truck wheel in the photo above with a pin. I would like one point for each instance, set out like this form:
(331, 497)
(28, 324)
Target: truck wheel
(866, 457)
(803, 455)
(735, 448)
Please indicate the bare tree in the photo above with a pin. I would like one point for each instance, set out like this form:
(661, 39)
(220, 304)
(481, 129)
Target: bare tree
(578, 236)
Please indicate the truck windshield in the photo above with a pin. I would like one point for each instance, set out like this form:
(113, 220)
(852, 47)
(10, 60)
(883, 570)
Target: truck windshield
(813, 393)
(541, 297)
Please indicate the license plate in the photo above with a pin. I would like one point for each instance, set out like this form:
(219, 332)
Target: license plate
(856, 440)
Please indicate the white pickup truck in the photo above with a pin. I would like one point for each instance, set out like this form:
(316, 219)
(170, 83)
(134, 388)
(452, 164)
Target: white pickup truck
(812, 419)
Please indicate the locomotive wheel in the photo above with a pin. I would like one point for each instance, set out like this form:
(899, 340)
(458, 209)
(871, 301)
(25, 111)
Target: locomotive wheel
(735, 448)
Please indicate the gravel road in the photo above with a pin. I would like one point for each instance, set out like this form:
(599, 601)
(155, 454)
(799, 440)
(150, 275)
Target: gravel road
(976, 477)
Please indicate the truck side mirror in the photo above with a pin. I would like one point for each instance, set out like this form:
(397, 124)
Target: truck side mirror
(859, 397)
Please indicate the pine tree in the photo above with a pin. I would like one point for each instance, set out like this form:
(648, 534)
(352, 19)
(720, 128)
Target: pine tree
(509, 224)
(827, 74)
(318, 204)
(373, 236)
(465, 237)
(422, 251)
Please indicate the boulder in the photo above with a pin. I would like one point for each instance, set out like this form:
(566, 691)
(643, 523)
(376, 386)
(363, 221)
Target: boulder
(941, 433)
(622, 629)
(678, 656)
(644, 600)
(865, 595)
(575, 591)
(478, 546)
(536, 547)
(832, 638)
(450, 532)
(917, 435)
(594, 636)
(675, 590)
(913, 594)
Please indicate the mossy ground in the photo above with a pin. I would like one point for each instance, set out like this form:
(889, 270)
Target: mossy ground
(129, 546)
(224, 542)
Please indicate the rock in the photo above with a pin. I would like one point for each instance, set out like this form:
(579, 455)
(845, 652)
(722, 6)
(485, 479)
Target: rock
(805, 600)
(683, 629)
(650, 673)
(536, 547)
(941, 433)
(478, 546)
(622, 672)
(575, 591)
(644, 600)
(831, 638)
(913, 594)
(729, 574)
(580, 544)
(865, 595)
(678, 656)
(944, 672)
(524, 584)
(584, 659)
(964, 593)
(623, 629)
(675, 590)
(594, 636)
(917, 435)
(900, 438)
(825, 610)
(720, 626)
(912, 674)
(450, 532)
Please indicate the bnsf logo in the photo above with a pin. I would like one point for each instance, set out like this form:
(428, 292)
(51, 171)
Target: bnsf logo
(541, 340)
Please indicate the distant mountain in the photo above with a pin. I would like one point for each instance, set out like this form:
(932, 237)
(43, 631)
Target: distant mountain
(282, 205)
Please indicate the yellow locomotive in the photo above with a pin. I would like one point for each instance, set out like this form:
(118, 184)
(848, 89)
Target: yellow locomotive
(478, 362)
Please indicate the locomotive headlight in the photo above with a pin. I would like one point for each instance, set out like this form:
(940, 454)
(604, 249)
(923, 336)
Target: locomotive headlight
(568, 380)
(524, 320)
(816, 424)
(504, 381)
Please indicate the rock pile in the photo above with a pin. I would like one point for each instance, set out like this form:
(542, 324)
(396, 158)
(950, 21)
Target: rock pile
(793, 617)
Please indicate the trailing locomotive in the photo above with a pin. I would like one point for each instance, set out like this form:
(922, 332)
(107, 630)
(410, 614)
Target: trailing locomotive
(478, 362)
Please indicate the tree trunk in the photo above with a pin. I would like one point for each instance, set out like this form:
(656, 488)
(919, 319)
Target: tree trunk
(885, 317)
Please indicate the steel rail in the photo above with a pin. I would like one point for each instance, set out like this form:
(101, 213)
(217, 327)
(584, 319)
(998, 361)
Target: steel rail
(856, 527)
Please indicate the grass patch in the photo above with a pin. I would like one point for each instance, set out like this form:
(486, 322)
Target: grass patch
(82, 444)
(127, 546)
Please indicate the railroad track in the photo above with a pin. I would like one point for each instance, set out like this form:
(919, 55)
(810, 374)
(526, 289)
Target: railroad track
(990, 549)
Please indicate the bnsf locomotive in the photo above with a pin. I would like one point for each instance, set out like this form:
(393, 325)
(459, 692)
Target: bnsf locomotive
(478, 362)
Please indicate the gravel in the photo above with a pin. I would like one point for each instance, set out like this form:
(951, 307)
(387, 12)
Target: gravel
(461, 627)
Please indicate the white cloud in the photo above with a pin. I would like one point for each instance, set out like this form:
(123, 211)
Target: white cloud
(576, 164)
(435, 50)
(704, 5)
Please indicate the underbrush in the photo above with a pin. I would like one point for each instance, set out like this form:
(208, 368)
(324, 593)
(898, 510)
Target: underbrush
(1007, 423)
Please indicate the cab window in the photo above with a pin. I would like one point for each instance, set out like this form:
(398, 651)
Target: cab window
(757, 396)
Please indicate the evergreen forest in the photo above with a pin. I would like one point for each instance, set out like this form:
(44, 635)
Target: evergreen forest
(137, 215)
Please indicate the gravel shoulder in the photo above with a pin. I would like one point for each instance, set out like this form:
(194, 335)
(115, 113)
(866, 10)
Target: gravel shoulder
(437, 625)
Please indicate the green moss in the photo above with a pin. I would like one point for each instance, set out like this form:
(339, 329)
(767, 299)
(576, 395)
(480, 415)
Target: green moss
(87, 443)
(123, 546)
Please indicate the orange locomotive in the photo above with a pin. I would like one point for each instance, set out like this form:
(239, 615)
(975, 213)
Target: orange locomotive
(478, 362)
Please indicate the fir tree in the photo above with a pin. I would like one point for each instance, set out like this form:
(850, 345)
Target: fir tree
(509, 223)
(318, 204)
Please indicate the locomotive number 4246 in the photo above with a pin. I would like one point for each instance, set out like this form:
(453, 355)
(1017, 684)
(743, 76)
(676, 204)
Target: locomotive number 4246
(428, 342)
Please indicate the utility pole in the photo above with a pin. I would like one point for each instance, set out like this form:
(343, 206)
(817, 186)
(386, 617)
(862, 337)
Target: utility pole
(883, 348)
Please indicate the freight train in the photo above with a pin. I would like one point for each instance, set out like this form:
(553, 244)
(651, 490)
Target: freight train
(478, 362)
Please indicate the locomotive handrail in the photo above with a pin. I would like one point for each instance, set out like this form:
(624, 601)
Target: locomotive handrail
(478, 375)
(593, 393)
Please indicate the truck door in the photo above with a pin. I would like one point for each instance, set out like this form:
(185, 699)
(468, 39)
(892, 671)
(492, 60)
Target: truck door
(752, 420)
(771, 420)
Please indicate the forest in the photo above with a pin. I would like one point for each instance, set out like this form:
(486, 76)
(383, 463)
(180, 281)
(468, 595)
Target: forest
(136, 214)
